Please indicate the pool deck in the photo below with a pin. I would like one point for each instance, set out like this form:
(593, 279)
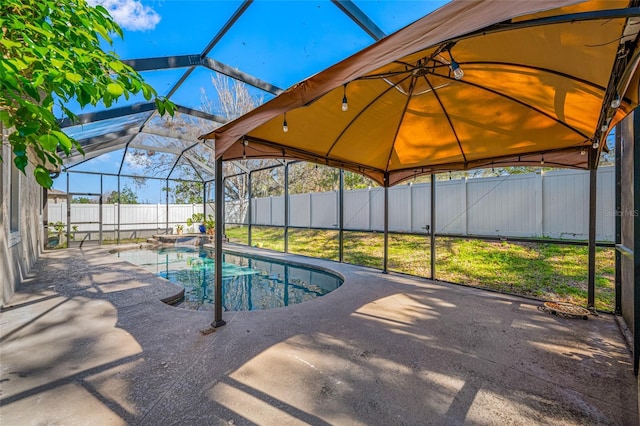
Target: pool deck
(86, 340)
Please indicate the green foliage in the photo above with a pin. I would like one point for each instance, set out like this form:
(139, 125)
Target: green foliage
(60, 229)
(126, 196)
(195, 218)
(198, 218)
(185, 192)
(210, 223)
(82, 200)
(51, 55)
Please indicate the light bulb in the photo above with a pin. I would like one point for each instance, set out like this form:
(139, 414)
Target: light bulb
(457, 71)
(542, 161)
(582, 152)
(345, 105)
(615, 103)
(285, 128)
(595, 145)
(604, 128)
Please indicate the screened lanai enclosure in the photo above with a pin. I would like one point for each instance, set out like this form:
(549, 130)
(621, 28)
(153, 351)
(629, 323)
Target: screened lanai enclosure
(379, 149)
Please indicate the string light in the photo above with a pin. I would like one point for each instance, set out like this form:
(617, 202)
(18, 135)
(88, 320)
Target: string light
(285, 127)
(583, 152)
(245, 143)
(615, 103)
(457, 71)
(454, 66)
(595, 144)
(542, 160)
(345, 104)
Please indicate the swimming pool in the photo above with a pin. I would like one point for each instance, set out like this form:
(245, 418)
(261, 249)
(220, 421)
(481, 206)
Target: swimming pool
(249, 283)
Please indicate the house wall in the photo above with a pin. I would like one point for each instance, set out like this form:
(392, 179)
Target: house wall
(19, 250)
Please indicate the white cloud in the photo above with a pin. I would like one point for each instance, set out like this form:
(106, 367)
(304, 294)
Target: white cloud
(130, 14)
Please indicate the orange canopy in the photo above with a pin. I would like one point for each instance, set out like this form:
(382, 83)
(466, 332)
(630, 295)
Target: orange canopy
(473, 84)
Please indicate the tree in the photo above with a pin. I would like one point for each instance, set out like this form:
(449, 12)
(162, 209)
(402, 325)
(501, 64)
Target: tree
(126, 196)
(186, 192)
(51, 55)
(82, 200)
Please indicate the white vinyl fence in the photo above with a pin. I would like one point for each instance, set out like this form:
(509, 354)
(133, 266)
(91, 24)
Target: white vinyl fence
(552, 204)
(136, 220)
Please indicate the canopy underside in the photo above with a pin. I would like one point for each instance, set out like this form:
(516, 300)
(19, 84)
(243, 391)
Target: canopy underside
(534, 91)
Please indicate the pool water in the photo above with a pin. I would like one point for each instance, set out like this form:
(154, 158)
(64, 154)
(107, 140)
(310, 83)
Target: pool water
(249, 283)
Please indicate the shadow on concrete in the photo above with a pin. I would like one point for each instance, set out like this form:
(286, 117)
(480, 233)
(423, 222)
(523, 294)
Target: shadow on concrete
(89, 340)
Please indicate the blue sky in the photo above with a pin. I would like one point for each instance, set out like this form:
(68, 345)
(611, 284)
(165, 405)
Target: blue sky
(280, 42)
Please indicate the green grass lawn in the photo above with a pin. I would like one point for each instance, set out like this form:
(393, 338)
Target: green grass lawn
(541, 270)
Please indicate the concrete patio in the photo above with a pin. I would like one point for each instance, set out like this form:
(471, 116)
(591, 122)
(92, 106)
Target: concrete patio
(87, 340)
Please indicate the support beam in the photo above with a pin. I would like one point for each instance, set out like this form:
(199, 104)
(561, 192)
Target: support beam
(166, 205)
(341, 220)
(385, 263)
(636, 242)
(204, 202)
(286, 208)
(201, 114)
(91, 117)
(618, 221)
(76, 158)
(221, 68)
(593, 174)
(360, 18)
(119, 204)
(226, 27)
(432, 243)
(249, 210)
(164, 62)
(219, 187)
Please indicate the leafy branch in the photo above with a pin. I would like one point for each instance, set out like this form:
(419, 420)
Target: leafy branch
(51, 55)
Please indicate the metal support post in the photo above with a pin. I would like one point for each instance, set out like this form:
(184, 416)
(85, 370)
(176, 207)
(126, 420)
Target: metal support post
(433, 227)
(119, 204)
(166, 206)
(286, 208)
(618, 221)
(100, 213)
(636, 242)
(204, 201)
(69, 213)
(341, 219)
(249, 210)
(219, 187)
(593, 175)
(386, 224)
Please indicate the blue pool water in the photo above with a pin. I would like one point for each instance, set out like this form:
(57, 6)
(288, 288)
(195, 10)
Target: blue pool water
(248, 283)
